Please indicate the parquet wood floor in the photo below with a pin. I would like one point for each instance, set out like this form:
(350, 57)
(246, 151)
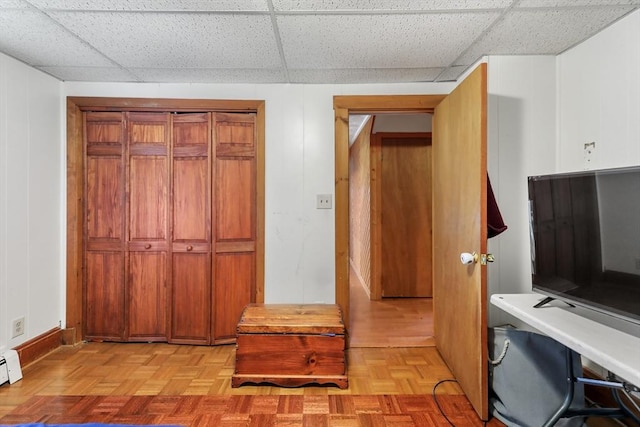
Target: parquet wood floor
(190, 385)
(259, 411)
(392, 366)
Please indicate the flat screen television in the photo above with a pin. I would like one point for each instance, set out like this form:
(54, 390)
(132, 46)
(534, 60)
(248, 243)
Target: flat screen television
(585, 239)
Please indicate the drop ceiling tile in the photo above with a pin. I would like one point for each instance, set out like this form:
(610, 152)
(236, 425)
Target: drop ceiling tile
(202, 75)
(13, 4)
(351, 75)
(574, 3)
(31, 37)
(192, 40)
(541, 32)
(365, 41)
(153, 5)
(90, 74)
(379, 5)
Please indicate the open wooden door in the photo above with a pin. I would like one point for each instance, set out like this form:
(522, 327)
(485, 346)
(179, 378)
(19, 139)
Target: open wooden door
(460, 225)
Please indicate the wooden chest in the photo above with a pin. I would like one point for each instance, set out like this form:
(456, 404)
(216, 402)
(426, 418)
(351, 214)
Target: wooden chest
(291, 345)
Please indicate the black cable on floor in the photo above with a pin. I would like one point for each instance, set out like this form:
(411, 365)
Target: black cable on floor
(438, 403)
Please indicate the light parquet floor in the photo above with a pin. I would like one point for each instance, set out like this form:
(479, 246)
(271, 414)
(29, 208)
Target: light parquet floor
(138, 383)
(389, 356)
(390, 322)
(111, 369)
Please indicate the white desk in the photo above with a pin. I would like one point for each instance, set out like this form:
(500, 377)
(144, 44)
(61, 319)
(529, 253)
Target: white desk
(616, 351)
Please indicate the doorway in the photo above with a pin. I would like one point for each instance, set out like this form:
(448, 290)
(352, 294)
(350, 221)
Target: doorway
(390, 230)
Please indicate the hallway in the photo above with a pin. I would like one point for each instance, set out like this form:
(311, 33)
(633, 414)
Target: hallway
(391, 322)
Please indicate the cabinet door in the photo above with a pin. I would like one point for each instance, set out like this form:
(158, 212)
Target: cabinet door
(191, 239)
(147, 269)
(235, 220)
(104, 226)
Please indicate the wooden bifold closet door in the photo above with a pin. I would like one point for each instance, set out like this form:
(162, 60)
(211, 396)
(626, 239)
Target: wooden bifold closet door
(170, 219)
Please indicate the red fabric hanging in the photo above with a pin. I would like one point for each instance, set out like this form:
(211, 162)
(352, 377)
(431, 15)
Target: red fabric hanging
(495, 223)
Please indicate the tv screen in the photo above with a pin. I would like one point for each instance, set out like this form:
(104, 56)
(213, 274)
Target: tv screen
(585, 239)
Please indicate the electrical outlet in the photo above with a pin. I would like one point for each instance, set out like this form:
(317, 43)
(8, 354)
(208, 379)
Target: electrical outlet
(17, 327)
(323, 201)
(589, 150)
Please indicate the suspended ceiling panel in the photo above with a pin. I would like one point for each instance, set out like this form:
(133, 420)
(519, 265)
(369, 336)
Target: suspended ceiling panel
(290, 41)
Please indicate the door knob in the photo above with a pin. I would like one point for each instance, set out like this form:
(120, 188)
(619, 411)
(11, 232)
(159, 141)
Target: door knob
(466, 258)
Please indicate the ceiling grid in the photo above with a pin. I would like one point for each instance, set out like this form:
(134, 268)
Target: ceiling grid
(290, 41)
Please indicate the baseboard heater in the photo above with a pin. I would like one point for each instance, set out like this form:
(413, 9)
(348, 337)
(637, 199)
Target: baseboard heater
(10, 370)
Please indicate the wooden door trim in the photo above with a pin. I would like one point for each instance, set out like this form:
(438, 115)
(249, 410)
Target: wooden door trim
(376, 216)
(343, 106)
(75, 183)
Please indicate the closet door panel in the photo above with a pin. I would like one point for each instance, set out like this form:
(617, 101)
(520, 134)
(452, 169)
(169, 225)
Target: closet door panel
(148, 201)
(235, 221)
(190, 200)
(104, 215)
(235, 135)
(235, 194)
(191, 236)
(170, 225)
(104, 222)
(104, 307)
(147, 306)
(191, 299)
(148, 226)
(234, 287)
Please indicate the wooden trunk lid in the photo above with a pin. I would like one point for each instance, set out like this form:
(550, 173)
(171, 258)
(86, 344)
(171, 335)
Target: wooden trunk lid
(309, 319)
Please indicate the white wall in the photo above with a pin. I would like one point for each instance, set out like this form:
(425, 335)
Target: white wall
(521, 142)
(599, 99)
(300, 146)
(31, 165)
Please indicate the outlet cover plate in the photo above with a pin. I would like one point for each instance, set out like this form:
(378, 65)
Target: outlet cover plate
(324, 201)
(17, 327)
